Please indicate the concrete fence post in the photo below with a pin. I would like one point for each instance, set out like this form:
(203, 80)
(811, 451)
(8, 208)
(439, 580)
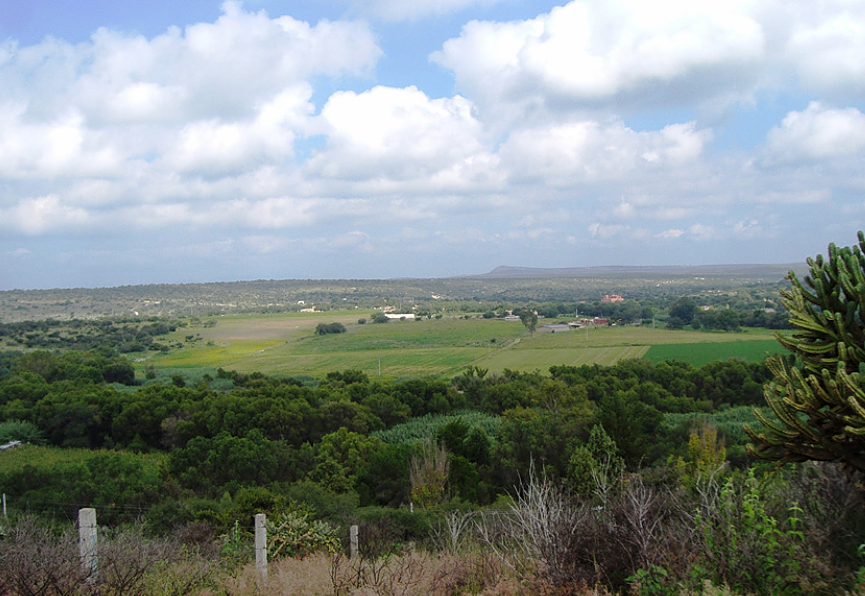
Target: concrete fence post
(261, 545)
(352, 540)
(87, 541)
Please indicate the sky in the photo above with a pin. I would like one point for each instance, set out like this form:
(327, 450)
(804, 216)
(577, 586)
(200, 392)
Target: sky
(200, 141)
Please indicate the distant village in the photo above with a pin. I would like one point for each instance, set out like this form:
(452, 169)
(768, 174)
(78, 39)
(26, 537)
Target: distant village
(578, 323)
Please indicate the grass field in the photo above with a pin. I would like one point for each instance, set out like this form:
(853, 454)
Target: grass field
(287, 344)
(40, 457)
(699, 354)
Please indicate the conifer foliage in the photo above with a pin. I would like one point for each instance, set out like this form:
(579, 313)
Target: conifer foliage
(818, 397)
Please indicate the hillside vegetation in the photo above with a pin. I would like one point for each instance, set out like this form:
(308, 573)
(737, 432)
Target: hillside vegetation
(478, 455)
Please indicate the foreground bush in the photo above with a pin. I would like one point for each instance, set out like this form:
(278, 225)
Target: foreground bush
(34, 561)
(795, 532)
(648, 534)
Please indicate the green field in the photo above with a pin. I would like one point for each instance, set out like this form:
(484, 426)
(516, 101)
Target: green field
(40, 457)
(699, 354)
(287, 344)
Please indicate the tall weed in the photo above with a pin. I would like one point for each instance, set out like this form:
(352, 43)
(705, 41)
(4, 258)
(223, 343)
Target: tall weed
(747, 548)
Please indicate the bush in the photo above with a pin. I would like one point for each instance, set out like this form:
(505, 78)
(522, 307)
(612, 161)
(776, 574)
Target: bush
(38, 562)
(328, 328)
(384, 530)
(20, 430)
(294, 534)
(746, 547)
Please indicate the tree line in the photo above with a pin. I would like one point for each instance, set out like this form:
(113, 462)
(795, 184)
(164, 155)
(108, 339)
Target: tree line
(122, 335)
(269, 430)
(206, 455)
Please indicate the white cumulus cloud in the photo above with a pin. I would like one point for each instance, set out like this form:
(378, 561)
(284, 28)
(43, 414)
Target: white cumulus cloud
(586, 52)
(826, 44)
(146, 128)
(42, 214)
(590, 150)
(388, 135)
(817, 133)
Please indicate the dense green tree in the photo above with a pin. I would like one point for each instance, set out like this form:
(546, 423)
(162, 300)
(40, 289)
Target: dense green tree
(732, 382)
(21, 390)
(469, 452)
(501, 396)
(819, 400)
(9, 360)
(120, 371)
(471, 384)
(336, 414)
(684, 309)
(632, 425)
(529, 318)
(675, 323)
(595, 465)
(534, 437)
(71, 422)
(725, 319)
(226, 462)
(426, 396)
(339, 457)
(347, 377)
(383, 478)
(388, 408)
(40, 362)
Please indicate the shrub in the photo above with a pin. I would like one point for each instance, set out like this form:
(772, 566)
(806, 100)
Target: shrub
(328, 328)
(20, 430)
(38, 562)
(294, 534)
(33, 561)
(747, 548)
(384, 530)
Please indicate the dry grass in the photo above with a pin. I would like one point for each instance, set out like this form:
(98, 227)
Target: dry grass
(35, 563)
(413, 573)
(309, 576)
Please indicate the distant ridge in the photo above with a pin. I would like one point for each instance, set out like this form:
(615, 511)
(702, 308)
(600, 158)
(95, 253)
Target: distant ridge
(757, 271)
(502, 284)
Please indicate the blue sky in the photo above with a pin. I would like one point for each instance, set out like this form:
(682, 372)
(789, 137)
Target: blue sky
(175, 142)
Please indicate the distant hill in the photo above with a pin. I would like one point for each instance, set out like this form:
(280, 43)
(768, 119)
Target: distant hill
(767, 272)
(502, 284)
